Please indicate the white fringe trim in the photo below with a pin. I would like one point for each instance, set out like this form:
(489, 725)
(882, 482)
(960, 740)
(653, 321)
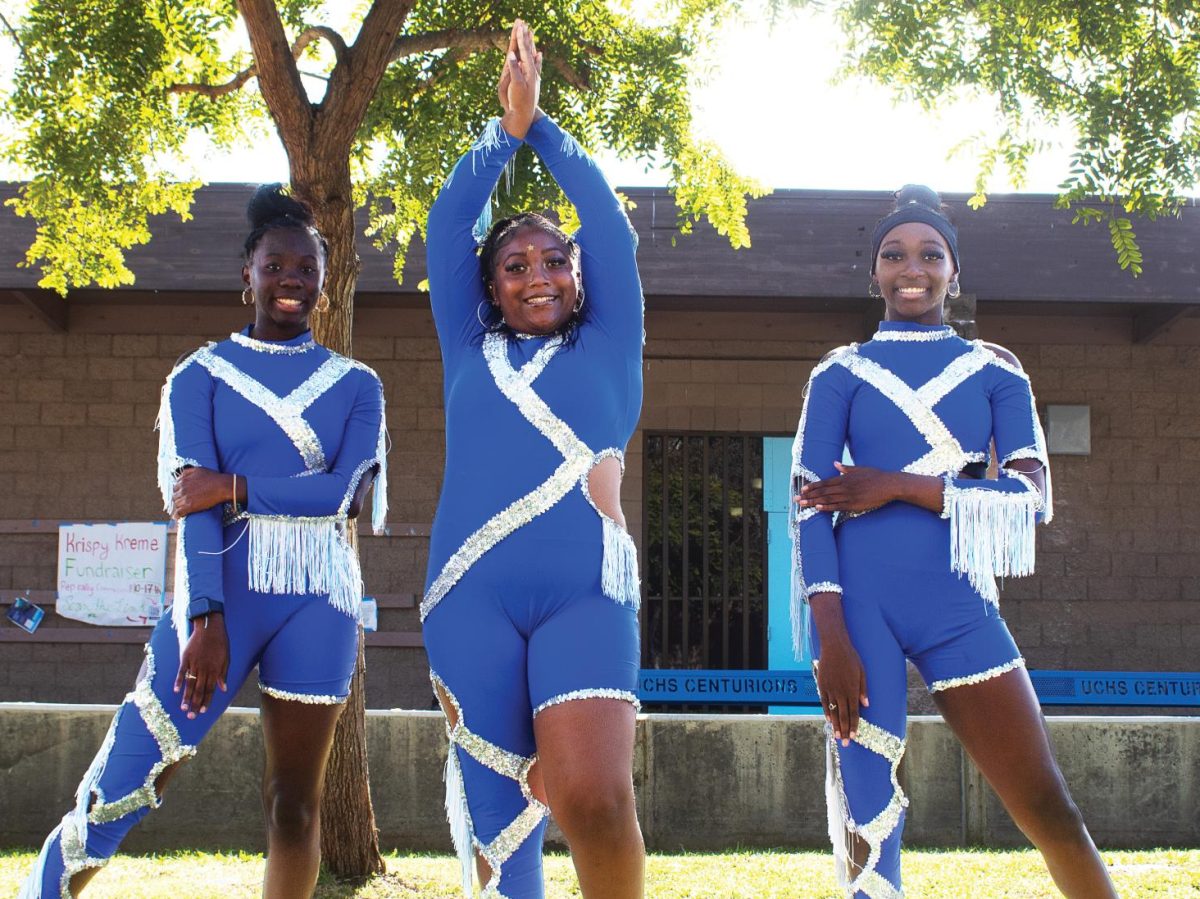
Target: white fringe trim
(992, 534)
(182, 594)
(619, 575)
(459, 816)
(297, 555)
(379, 496)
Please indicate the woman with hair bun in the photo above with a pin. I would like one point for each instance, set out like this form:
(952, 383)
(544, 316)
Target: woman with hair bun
(530, 607)
(897, 555)
(268, 444)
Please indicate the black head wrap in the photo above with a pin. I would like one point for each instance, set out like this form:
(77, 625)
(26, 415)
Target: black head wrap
(916, 203)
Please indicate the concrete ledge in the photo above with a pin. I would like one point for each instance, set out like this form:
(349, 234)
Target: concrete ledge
(703, 781)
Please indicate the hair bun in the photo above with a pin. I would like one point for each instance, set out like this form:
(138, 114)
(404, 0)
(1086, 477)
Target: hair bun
(272, 202)
(919, 194)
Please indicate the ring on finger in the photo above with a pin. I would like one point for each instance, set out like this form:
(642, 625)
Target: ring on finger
(833, 706)
(190, 676)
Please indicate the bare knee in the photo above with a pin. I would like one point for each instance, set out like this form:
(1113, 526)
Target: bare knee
(292, 815)
(586, 809)
(1052, 817)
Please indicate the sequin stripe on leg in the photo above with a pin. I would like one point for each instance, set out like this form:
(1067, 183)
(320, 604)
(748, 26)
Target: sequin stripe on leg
(158, 723)
(842, 825)
(501, 761)
(500, 850)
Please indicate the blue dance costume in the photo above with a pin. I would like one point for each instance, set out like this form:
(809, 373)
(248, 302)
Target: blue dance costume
(914, 585)
(303, 425)
(532, 592)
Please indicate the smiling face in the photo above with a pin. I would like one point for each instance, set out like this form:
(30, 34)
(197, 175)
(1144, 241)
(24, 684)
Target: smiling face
(913, 267)
(535, 282)
(285, 274)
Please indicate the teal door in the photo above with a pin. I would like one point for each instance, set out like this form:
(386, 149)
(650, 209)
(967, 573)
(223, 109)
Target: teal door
(777, 504)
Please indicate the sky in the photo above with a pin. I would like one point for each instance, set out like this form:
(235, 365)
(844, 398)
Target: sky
(771, 105)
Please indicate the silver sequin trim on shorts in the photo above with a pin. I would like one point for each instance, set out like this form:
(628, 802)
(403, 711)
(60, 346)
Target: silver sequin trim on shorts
(307, 698)
(952, 682)
(591, 693)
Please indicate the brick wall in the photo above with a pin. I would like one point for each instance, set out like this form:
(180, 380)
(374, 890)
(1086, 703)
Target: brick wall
(1119, 571)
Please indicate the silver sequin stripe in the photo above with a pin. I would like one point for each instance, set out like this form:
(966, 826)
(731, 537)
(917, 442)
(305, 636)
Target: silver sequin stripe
(306, 698)
(875, 831)
(913, 336)
(507, 764)
(590, 693)
(499, 526)
(286, 411)
(951, 682)
(822, 587)
(516, 386)
(950, 377)
(945, 453)
(170, 746)
(266, 346)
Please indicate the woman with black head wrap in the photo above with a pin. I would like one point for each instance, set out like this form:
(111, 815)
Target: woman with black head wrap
(896, 557)
(268, 445)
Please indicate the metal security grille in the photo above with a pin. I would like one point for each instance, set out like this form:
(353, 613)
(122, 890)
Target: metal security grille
(705, 547)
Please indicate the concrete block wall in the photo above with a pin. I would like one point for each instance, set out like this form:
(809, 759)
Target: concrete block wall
(1119, 569)
(703, 782)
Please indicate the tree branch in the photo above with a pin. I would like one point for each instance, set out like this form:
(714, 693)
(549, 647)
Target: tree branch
(306, 37)
(278, 77)
(356, 77)
(474, 41)
(12, 31)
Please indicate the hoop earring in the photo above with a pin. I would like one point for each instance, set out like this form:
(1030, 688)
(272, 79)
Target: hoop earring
(579, 301)
(322, 302)
(479, 315)
(953, 290)
(874, 291)
(247, 300)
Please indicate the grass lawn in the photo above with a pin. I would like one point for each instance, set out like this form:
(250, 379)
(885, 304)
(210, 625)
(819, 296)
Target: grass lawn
(1167, 873)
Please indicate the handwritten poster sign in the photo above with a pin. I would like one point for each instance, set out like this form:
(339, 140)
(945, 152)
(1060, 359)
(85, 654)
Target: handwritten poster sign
(112, 574)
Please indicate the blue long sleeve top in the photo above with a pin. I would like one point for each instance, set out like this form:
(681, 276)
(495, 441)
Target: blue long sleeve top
(920, 399)
(302, 425)
(591, 387)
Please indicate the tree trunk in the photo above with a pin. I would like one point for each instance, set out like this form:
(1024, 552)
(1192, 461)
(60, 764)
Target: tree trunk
(349, 838)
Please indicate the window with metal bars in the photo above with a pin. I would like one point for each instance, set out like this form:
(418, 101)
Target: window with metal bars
(705, 551)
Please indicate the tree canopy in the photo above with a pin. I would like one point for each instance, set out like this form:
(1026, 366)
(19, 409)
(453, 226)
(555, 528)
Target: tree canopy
(1124, 73)
(107, 95)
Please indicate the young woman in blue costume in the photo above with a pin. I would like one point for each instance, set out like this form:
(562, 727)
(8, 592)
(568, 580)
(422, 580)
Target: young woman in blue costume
(897, 556)
(530, 609)
(268, 445)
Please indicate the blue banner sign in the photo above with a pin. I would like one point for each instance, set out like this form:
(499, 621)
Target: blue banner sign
(1133, 688)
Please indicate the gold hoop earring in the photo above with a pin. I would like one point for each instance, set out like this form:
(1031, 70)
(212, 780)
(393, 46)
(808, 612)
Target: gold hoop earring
(323, 302)
(247, 300)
